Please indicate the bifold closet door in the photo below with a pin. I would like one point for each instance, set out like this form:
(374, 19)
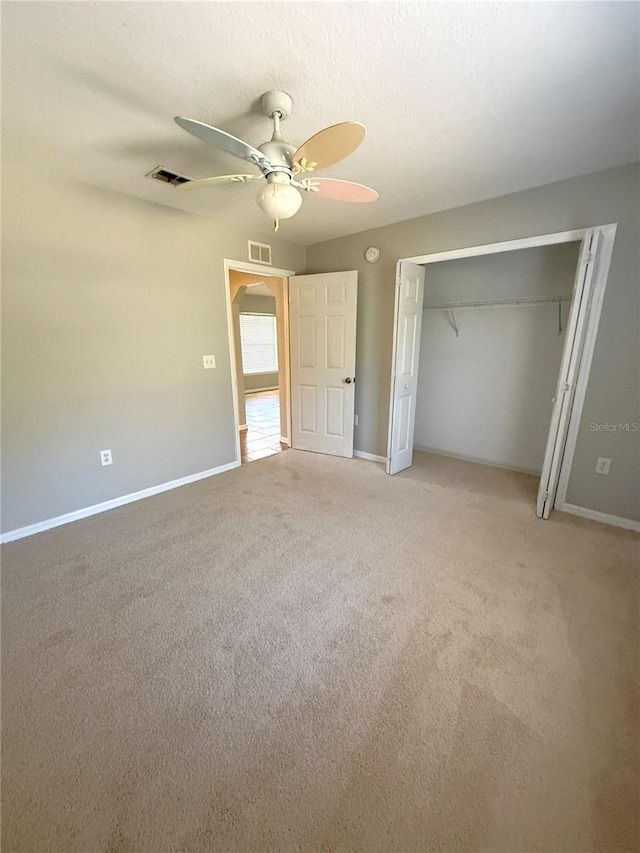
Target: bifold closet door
(406, 356)
(571, 357)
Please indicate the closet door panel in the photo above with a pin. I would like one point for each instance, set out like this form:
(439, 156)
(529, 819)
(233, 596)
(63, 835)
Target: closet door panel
(408, 325)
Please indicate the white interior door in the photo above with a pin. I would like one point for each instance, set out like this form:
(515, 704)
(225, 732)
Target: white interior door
(323, 361)
(571, 357)
(406, 356)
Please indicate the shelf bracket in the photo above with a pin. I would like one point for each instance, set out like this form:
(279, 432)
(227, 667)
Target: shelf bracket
(559, 316)
(454, 325)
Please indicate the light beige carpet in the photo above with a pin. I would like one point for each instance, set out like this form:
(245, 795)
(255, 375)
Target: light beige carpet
(306, 654)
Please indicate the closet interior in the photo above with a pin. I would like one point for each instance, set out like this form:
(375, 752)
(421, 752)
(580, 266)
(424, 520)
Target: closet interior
(493, 330)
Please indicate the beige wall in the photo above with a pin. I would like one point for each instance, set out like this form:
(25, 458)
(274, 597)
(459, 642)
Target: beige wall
(109, 304)
(612, 396)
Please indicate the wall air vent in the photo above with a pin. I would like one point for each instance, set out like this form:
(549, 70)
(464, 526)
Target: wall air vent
(167, 176)
(260, 253)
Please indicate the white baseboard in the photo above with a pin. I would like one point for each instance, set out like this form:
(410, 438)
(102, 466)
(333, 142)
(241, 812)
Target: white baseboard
(370, 457)
(284, 440)
(603, 517)
(476, 460)
(260, 390)
(68, 517)
(243, 427)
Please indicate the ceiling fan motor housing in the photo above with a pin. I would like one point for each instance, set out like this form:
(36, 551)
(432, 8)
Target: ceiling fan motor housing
(280, 154)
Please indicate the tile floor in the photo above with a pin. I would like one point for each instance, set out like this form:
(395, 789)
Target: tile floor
(262, 438)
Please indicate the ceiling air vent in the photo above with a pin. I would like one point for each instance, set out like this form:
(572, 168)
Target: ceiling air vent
(167, 176)
(260, 253)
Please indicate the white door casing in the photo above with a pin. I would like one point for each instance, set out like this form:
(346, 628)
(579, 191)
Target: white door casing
(322, 315)
(569, 367)
(406, 357)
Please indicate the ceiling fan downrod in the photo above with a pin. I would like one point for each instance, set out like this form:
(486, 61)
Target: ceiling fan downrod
(277, 136)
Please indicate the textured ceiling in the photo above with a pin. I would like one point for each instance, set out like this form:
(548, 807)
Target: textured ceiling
(462, 102)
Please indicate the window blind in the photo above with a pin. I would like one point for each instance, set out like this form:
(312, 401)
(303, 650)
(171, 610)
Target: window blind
(259, 341)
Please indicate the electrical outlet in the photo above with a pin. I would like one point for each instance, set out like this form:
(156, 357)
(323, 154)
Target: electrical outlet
(603, 466)
(355, 420)
(105, 457)
(208, 361)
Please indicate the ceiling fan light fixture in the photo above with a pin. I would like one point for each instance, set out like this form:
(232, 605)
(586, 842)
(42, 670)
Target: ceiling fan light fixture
(280, 162)
(277, 198)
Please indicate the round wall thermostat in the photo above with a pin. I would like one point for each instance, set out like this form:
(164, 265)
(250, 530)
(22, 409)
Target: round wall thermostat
(372, 254)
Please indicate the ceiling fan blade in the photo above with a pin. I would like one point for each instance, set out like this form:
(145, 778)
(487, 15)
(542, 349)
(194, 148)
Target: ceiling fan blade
(223, 141)
(328, 146)
(338, 190)
(203, 183)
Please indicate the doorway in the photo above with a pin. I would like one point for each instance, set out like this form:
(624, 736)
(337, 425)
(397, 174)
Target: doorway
(580, 328)
(258, 320)
(315, 361)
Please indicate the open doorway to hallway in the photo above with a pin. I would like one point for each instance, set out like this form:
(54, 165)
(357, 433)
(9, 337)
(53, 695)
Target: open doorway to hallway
(262, 436)
(259, 326)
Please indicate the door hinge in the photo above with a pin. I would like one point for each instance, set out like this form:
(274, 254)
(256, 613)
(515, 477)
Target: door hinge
(565, 387)
(546, 496)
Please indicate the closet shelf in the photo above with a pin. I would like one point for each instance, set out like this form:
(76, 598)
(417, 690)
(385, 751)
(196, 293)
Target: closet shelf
(499, 303)
(521, 302)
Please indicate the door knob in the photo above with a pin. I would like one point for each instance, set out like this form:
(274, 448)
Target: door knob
(348, 380)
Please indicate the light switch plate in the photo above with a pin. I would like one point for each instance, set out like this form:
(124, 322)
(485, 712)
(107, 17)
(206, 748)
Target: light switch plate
(208, 361)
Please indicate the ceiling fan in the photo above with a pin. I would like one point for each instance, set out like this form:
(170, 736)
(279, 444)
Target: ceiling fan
(282, 164)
